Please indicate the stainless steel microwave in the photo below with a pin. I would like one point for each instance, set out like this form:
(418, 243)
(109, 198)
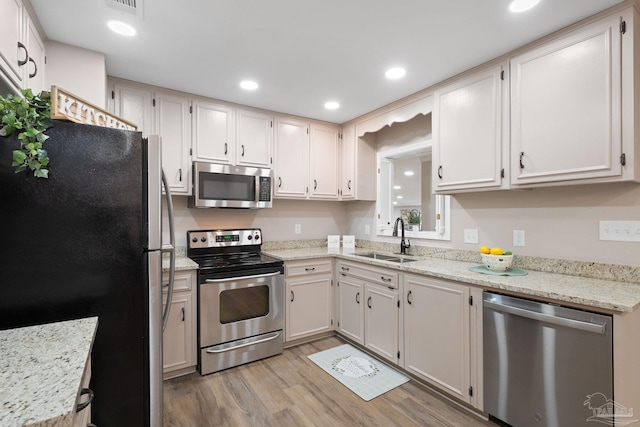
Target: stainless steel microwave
(226, 186)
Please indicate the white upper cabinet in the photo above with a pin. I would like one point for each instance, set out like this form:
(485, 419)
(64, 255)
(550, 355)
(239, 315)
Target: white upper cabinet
(213, 133)
(324, 148)
(306, 160)
(160, 113)
(35, 67)
(348, 163)
(254, 133)
(173, 124)
(291, 158)
(470, 147)
(134, 104)
(567, 105)
(13, 57)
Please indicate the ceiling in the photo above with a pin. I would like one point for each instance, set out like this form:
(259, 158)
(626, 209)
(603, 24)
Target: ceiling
(303, 53)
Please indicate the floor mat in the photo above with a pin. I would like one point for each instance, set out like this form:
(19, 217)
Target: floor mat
(361, 373)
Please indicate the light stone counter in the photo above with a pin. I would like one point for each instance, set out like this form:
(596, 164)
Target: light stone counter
(608, 295)
(182, 263)
(41, 369)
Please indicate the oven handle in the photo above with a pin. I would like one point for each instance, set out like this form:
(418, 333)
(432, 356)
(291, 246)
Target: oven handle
(272, 336)
(242, 277)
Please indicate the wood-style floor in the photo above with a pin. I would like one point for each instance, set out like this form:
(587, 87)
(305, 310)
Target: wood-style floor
(290, 390)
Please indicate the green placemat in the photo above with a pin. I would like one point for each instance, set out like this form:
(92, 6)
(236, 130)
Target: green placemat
(511, 271)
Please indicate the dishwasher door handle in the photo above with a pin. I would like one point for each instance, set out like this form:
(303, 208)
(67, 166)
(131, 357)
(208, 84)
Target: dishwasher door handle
(555, 320)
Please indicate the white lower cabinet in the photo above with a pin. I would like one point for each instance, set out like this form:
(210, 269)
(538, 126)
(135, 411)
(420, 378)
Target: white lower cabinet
(368, 308)
(179, 354)
(309, 293)
(441, 335)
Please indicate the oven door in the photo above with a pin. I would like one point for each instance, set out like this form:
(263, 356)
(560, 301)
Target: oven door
(234, 308)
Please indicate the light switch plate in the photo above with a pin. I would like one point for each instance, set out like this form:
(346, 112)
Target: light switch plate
(298, 229)
(620, 231)
(471, 235)
(518, 237)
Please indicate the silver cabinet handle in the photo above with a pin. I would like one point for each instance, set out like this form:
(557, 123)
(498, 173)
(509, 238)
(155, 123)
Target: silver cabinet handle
(369, 302)
(35, 68)
(409, 298)
(310, 269)
(349, 185)
(315, 184)
(242, 150)
(554, 320)
(385, 279)
(343, 268)
(21, 62)
(358, 297)
(183, 314)
(292, 296)
(225, 148)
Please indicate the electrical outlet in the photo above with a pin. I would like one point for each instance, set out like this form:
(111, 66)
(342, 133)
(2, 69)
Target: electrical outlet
(298, 229)
(518, 237)
(620, 231)
(367, 229)
(471, 235)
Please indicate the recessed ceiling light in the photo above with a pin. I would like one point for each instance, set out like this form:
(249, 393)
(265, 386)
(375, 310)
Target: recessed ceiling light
(399, 197)
(121, 28)
(517, 6)
(395, 73)
(395, 203)
(248, 85)
(408, 173)
(396, 187)
(331, 105)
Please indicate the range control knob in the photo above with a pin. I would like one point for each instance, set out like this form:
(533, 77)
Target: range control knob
(194, 240)
(203, 239)
(257, 237)
(249, 237)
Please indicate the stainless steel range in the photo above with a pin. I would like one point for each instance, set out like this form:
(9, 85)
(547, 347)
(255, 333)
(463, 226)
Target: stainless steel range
(240, 298)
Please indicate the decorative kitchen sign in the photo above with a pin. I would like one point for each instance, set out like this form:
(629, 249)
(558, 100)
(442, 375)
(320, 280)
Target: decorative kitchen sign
(67, 106)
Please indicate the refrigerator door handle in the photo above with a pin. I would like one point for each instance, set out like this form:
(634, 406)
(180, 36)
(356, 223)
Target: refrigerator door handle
(170, 248)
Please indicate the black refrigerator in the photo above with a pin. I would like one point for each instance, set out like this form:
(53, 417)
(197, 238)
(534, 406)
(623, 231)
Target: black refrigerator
(87, 242)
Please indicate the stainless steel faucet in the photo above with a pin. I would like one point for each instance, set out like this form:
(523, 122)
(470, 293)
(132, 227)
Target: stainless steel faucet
(403, 245)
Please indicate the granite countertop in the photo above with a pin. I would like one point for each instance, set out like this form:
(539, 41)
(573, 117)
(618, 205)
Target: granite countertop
(182, 263)
(597, 293)
(41, 369)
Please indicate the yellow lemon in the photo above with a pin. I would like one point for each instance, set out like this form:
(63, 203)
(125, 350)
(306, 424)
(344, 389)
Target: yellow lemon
(484, 249)
(496, 251)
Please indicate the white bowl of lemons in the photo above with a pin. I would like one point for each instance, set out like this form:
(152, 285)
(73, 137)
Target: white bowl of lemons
(496, 259)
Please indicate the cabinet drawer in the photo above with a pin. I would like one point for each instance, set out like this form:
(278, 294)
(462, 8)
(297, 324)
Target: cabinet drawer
(181, 282)
(307, 267)
(379, 276)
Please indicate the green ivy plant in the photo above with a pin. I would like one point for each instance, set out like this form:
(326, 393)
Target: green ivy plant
(29, 115)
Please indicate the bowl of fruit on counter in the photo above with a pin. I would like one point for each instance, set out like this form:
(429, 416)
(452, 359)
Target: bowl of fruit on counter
(495, 258)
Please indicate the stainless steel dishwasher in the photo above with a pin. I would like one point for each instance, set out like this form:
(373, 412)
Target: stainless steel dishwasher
(543, 362)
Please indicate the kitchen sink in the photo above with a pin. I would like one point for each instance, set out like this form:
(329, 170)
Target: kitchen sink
(390, 258)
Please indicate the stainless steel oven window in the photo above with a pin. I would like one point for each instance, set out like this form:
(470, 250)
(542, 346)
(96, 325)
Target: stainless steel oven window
(217, 186)
(243, 304)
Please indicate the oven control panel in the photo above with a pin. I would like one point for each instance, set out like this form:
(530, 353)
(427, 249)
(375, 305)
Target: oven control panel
(221, 238)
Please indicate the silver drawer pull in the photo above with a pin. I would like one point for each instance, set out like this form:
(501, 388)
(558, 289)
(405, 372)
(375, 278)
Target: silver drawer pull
(310, 269)
(385, 279)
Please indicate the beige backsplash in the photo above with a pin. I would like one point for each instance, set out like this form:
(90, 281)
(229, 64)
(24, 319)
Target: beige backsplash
(619, 273)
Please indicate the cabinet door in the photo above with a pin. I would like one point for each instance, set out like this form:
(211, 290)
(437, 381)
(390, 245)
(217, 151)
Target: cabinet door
(135, 105)
(308, 306)
(437, 338)
(348, 162)
(35, 68)
(291, 156)
(566, 109)
(178, 350)
(11, 32)
(254, 133)
(173, 124)
(323, 162)
(213, 133)
(467, 133)
(351, 301)
(381, 321)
